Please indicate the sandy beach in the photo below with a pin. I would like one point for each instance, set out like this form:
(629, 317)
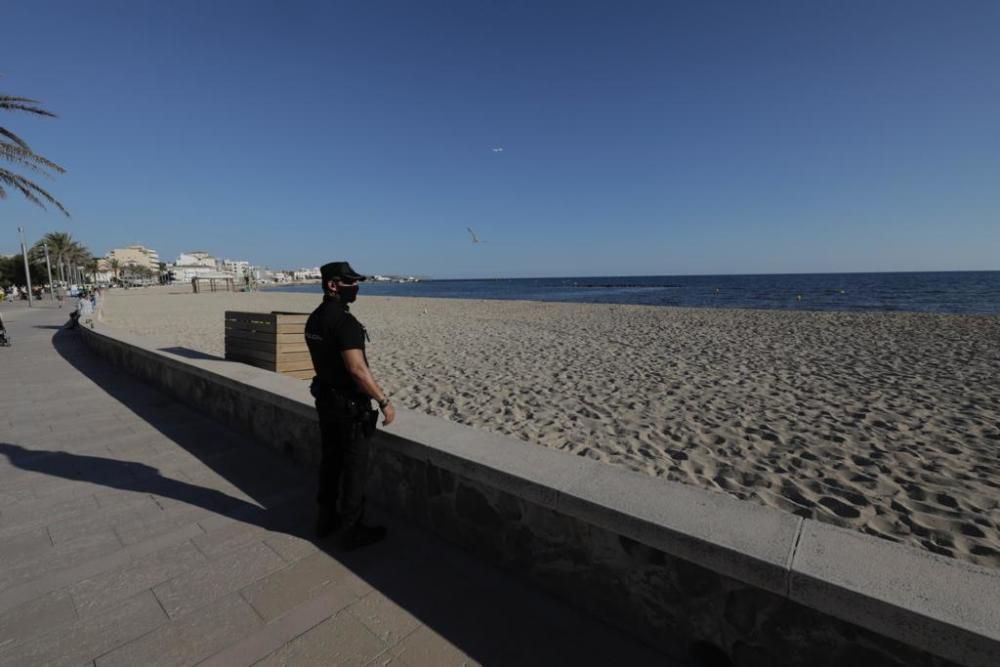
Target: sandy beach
(888, 423)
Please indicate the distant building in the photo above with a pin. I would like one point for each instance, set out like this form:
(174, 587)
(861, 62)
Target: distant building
(239, 269)
(135, 256)
(307, 274)
(197, 258)
(104, 272)
(190, 265)
(269, 276)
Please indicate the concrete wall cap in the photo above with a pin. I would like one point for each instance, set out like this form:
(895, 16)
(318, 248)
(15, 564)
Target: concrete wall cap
(742, 540)
(915, 596)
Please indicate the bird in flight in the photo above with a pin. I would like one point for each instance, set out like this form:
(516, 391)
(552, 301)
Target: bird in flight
(498, 149)
(475, 239)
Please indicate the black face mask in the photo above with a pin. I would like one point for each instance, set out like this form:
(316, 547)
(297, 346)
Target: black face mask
(348, 293)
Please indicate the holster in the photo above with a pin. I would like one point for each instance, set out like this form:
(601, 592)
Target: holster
(357, 409)
(369, 423)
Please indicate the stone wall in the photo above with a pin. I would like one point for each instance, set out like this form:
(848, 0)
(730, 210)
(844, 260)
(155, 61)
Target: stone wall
(683, 569)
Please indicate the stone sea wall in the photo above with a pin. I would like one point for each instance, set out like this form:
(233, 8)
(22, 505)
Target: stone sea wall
(683, 569)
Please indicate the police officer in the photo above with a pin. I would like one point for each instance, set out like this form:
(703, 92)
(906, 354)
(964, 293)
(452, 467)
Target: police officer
(344, 389)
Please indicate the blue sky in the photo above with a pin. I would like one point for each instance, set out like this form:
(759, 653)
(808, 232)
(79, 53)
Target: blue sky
(638, 137)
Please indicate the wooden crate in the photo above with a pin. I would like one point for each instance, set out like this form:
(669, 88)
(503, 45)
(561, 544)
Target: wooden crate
(273, 341)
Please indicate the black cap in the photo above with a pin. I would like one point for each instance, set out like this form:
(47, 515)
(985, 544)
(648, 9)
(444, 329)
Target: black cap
(335, 270)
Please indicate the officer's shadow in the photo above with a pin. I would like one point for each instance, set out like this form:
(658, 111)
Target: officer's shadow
(143, 479)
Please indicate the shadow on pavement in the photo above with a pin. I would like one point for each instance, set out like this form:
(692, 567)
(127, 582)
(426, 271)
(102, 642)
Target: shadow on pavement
(128, 476)
(488, 615)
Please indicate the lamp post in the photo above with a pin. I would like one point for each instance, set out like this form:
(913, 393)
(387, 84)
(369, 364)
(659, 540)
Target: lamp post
(24, 256)
(48, 267)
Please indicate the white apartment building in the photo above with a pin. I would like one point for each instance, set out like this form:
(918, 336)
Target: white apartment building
(190, 265)
(239, 268)
(307, 274)
(197, 258)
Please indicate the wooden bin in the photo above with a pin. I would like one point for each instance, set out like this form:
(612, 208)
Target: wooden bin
(273, 341)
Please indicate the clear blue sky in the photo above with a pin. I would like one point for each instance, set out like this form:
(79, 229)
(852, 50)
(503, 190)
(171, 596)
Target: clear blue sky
(638, 137)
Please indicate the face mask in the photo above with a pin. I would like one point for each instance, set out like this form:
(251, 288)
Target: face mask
(348, 293)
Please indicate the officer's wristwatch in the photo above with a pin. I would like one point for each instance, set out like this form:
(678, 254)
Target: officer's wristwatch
(383, 403)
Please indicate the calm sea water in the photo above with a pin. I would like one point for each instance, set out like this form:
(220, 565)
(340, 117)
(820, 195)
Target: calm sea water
(947, 292)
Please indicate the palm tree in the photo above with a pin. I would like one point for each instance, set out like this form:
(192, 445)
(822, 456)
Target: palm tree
(14, 150)
(92, 266)
(78, 258)
(61, 248)
(116, 265)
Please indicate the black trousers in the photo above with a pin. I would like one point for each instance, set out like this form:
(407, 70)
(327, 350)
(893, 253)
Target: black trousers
(344, 466)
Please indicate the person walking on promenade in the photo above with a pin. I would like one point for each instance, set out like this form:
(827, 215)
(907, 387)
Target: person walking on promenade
(344, 388)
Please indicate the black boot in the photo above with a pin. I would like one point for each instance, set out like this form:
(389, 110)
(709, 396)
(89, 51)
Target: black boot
(327, 522)
(361, 536)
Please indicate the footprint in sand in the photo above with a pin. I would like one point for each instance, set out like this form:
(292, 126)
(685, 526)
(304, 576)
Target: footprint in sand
(839, 508)
(947, 500)
(971, 530)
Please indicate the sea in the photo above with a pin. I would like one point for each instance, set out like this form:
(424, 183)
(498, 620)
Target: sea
(965, 292)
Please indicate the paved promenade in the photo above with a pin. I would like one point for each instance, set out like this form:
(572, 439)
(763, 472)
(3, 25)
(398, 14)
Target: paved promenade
(134, 531)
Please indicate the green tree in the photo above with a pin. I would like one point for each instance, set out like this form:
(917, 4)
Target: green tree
(16, 152)
(12, 272)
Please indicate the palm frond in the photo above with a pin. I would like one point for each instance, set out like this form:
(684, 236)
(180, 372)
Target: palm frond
(13, 137)
(31, 190)
(25, 158)
(17, 152)
(14, 103)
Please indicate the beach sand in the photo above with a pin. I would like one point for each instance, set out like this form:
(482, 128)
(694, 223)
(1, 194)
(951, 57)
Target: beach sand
(888, 423)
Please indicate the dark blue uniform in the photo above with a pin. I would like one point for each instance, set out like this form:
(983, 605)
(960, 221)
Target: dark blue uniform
(342, 408)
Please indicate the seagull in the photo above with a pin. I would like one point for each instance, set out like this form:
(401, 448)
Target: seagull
(498, 149)
(475, 239)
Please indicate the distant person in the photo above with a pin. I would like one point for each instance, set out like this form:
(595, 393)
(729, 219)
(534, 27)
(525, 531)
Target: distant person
(98, 300)
(60, 295)
(344, 389)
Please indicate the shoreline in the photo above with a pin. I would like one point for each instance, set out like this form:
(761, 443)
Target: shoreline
(881, 422)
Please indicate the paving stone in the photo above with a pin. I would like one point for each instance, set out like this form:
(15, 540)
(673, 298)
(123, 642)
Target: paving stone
(318, 573)
(98, 593)
(290, 547)
(137, 530)
(188, 639)
(217, 578)
(59, 557)
(83, 640)
(220, 540)
(341, 640)
(10, 497)
(40, 513)
(26, 544)
(426, 647)
(275, 634)
(57, 579)
(24, 622)
(384, 618)
(224, 534)
(103, 519)
(387, 659)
